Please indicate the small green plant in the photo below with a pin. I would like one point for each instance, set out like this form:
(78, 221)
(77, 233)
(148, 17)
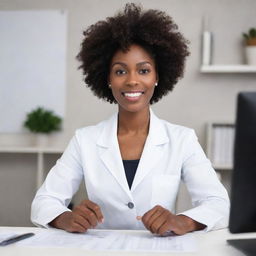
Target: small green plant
(250, 37)
(41, 120)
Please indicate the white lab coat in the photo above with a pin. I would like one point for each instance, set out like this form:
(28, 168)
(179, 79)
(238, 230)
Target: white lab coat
(171, 153)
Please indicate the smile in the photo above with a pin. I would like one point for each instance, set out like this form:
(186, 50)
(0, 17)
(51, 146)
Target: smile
(132, 94)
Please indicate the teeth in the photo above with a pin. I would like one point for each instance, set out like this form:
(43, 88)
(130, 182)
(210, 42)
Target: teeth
(132, 94)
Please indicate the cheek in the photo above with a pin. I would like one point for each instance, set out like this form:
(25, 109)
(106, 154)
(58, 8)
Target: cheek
(152, 86)
(116, 94)
(151, 92)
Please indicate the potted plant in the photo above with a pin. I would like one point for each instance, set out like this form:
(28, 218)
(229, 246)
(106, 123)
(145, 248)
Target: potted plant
(250, 46)
(42, 122)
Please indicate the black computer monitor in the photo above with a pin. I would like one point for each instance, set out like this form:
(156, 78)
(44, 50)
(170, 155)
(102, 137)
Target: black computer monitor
(243, 186)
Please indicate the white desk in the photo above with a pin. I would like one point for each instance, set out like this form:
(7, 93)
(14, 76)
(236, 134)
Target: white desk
(210, 244)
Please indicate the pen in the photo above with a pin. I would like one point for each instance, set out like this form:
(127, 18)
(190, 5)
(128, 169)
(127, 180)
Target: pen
(16, 239)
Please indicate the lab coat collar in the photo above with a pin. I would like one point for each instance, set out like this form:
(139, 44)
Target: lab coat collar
(157, 133)
(111, 156)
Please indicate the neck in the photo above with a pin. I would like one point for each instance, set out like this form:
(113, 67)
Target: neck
(133, 122)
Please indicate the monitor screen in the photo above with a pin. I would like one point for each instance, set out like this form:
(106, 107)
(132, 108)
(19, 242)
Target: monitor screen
(243, 186)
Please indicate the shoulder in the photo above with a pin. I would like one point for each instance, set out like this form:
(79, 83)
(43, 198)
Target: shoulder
(93, 132)
(162, 131)
(177, 131)
(176, 128)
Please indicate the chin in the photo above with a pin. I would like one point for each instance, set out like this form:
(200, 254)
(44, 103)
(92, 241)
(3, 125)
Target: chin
(134, 108)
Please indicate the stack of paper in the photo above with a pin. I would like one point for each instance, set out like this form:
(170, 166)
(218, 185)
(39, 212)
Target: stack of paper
(112, 240)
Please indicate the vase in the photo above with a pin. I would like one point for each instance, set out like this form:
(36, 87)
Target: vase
(42, 139)
(250, 55)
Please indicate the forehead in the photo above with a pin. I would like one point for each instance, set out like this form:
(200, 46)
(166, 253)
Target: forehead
(135, 53)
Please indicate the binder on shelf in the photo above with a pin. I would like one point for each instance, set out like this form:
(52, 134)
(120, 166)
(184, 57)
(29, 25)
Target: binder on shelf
(221, 145)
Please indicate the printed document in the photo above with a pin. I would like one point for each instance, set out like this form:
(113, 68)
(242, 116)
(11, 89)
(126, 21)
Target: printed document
(112, 240)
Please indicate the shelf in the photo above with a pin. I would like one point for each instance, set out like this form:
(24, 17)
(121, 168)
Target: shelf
(40, 153)
(208, 67)
(228, 69)
(30, 150)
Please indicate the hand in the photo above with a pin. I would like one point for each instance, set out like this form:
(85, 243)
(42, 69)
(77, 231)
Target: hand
(84, 216)
(159, 220)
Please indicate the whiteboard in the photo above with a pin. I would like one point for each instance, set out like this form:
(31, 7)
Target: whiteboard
(32, 64)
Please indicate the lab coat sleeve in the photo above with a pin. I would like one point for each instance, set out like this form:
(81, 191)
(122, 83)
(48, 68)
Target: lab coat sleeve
(209, 197)
(60, 185)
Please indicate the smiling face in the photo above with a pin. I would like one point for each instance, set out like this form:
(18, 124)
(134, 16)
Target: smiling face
(132, 78)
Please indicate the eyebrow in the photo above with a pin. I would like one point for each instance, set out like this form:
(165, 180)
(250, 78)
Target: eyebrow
(138, 64)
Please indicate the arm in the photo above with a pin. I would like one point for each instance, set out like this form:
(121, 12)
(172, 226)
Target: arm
(209, 197)
(60, 185)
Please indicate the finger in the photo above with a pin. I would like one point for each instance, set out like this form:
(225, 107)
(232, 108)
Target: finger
(156, 225)
(82, 221)
(166, 217)
(96, 209)
(145, 224)
(154, 217)
(75, 227)
(140, 218)
(164, 229)
(147, 216)
(88, 215)
(149, 213)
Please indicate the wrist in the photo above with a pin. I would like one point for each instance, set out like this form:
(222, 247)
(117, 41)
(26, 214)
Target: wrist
(60, 220)
(190, 224)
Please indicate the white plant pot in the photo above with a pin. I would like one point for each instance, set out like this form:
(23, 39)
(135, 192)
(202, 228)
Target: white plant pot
(42, 139)
(250, 55)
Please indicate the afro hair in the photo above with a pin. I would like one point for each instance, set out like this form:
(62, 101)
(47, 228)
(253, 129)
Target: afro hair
(153, 30)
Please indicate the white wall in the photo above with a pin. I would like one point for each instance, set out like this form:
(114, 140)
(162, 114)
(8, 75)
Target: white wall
(197, 98)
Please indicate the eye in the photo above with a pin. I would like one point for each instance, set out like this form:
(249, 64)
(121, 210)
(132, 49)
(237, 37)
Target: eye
(144, 71)
(120, 72)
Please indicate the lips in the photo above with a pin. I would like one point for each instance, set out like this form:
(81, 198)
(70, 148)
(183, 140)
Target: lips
(132, 95)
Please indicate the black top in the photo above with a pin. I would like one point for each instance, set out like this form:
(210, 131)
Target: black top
(130, 167)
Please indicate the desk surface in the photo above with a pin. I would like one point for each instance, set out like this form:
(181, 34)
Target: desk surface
(211, 244)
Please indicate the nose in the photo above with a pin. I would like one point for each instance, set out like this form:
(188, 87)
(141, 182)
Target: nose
(132, 79)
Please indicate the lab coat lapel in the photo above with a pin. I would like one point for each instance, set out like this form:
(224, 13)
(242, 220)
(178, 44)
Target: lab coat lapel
(153, 150)
(110, 153)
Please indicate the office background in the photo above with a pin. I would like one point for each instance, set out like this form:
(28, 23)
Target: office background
(198, 98)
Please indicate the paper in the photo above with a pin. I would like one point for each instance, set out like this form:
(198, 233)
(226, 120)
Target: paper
(4, 236)
(98, 240)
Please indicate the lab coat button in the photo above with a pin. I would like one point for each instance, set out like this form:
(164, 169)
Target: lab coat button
(130, 205)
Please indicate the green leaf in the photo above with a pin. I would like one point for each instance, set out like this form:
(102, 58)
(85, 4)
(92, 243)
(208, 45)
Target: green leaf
(41, 120)
(252, 32)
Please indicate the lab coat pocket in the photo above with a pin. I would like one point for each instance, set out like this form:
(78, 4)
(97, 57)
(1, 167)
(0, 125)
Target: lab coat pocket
(164, 190)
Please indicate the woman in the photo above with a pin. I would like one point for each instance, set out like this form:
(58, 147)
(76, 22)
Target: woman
(132, 163)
